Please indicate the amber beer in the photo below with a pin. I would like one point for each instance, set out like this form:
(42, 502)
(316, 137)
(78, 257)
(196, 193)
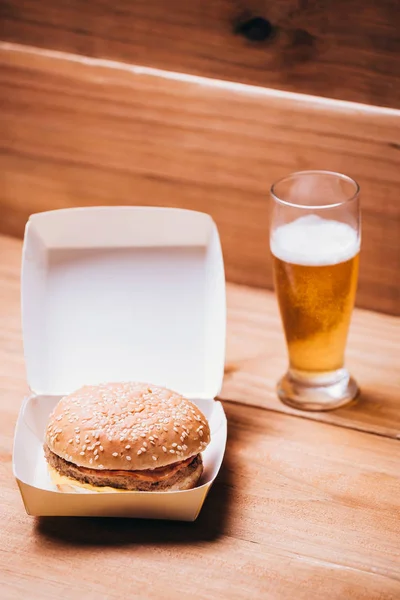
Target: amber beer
(315, 271)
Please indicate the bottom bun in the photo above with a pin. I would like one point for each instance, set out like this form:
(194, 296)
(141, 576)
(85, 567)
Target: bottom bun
(186, 479)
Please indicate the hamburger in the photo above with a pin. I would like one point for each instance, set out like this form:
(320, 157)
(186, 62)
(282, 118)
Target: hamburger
(125, 436)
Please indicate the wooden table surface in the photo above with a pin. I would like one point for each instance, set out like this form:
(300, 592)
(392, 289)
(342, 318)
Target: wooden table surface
(305, 506)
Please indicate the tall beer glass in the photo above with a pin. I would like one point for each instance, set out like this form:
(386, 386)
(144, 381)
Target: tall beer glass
(315, 243)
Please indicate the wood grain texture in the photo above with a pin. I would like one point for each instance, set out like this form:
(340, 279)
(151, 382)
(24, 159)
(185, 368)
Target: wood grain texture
(256, 358)
(78, 132)
(329, 48)
(313, 514)
(301, 509)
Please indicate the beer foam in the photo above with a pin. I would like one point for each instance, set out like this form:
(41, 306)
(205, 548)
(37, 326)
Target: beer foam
(313, 241)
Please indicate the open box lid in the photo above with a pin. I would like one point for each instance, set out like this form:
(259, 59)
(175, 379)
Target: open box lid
(123, 293)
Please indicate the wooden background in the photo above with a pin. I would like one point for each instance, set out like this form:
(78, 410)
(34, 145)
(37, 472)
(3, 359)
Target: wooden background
(333, 48)
(77, 130)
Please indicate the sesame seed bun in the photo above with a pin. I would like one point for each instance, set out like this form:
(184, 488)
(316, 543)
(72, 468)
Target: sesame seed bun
(125, 427)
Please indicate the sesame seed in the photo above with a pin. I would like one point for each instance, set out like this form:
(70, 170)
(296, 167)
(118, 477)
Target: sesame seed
(176, 430)
(90, 461)
(77, 430)
(154, 457)
(201, 433)
(145, 444)
(139, 452)
(97, 435)
(115, 454)
(152, 442)
(172, 451)
(101, 448)
(96, 458)
(164, 448)
(96, 452)
(59, 418)
(127, 447)
(128, 458)
(70, 441)
(174, 445)
(84, 447)
(179, 447)
(82, 453)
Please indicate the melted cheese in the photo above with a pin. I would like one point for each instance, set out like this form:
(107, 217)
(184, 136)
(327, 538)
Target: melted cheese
(67, 484)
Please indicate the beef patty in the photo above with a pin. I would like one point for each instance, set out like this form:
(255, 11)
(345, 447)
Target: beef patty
(176, 476)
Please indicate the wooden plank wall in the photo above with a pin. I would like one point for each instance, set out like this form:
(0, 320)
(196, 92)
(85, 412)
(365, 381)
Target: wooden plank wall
(333, 48)
(77, 131)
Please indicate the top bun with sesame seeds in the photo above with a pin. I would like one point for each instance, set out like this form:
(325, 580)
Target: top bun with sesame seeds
(127, 435)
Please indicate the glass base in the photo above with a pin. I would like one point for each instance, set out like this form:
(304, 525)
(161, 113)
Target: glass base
(327, 391)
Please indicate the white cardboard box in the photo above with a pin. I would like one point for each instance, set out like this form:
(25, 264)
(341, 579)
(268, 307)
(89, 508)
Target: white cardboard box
(120, 294)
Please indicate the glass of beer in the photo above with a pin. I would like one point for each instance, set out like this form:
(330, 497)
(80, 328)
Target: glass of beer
(315, 241)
